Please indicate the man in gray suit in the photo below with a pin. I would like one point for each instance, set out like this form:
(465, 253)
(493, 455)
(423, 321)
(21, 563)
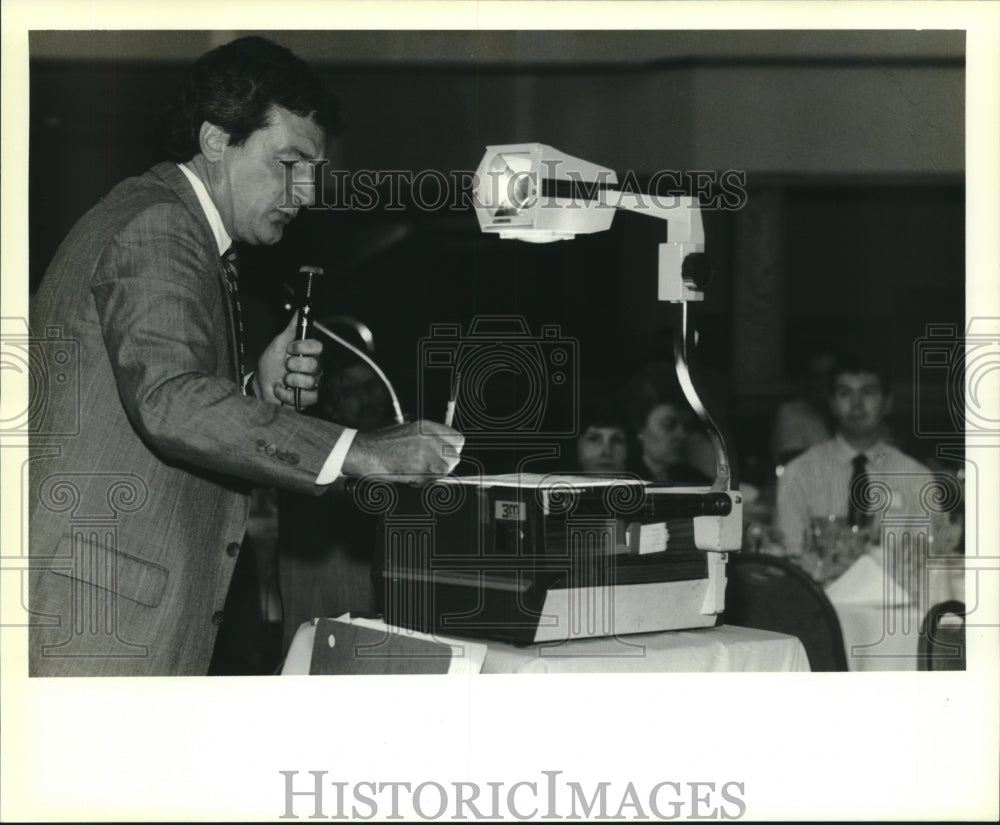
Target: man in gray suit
(139, 476)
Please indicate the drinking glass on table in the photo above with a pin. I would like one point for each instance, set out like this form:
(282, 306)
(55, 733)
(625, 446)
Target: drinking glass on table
(831, 546)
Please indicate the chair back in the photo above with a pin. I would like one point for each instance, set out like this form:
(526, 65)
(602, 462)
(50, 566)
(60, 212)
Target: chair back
(769, 593)
(941, 645)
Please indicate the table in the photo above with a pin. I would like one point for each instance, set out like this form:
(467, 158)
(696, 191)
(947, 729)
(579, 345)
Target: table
(879, 637)
(723, 649)
(880, 622)
(726, 648)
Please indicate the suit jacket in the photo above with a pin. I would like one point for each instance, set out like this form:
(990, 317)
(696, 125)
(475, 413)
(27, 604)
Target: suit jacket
(145, 447)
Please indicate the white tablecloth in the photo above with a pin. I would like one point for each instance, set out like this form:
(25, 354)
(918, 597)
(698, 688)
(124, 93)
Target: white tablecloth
(709, 650)
(880, 622)
(879, 637)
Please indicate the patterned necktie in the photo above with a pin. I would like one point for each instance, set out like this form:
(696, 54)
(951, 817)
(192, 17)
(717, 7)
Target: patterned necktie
(858, 509)
(230, 263)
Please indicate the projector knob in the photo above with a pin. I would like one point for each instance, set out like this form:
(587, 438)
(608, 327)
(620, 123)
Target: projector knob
(697, 270)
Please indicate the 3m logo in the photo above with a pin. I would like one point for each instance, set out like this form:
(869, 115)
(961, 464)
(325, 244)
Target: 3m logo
(509, 511)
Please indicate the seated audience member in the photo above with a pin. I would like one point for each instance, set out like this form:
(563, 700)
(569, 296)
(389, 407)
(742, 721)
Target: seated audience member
(326, 545)
(602, 446)
(659, 420)
(823, 518)
(801, 423)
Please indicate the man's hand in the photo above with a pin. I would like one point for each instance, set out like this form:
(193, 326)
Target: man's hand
(287, 365)
(420, 448)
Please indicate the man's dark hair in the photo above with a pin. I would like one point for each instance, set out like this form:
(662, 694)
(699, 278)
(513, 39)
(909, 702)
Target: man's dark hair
(851, 362)
(235, 85)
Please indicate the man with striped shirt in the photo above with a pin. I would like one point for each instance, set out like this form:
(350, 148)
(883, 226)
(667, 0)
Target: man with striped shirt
(838, 499)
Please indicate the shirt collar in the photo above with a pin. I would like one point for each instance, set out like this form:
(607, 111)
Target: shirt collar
(876, 451)
(222, 238)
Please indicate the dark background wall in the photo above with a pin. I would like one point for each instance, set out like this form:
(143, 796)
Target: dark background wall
(852, 144)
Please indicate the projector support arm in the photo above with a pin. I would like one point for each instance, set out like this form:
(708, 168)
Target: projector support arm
(684, 343)
(683, 274)
(518, 196)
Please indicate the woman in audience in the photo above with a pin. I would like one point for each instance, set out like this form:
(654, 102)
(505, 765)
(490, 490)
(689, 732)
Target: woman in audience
(660, 422)
(602, 446)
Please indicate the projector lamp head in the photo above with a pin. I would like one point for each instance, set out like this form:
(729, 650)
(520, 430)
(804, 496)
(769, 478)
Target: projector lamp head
(532, 192)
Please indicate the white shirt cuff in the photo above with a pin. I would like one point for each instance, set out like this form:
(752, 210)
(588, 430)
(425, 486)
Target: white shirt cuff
(335, 461)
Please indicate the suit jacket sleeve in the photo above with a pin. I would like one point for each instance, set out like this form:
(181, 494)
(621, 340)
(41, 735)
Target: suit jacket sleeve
(163, 315)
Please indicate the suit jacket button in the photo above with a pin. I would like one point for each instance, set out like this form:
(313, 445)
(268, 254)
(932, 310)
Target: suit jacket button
(217, 617)
(232, 549)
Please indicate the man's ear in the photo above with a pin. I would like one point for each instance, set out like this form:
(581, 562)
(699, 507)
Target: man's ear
(213, 140)
(886, 404)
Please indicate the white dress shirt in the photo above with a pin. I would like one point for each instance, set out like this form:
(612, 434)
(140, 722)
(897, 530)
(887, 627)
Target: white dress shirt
(816, 485)
(335, 461)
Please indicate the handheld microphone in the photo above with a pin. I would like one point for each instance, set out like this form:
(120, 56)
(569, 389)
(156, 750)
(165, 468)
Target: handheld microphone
(303, 299)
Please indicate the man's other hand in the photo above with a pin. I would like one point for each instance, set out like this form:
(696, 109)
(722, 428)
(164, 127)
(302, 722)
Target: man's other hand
(287, 365)
(420, 448)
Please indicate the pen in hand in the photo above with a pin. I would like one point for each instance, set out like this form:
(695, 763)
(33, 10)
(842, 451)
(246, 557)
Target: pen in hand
(449, 416)
(304, 331)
